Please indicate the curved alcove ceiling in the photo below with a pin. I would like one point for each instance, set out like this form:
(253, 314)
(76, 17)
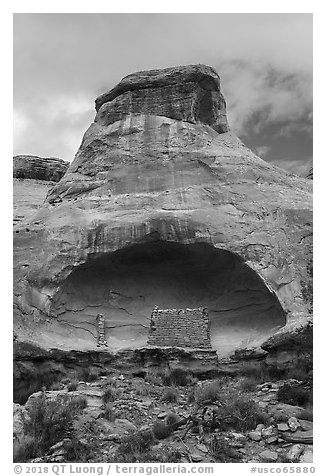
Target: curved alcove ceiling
(125, 286)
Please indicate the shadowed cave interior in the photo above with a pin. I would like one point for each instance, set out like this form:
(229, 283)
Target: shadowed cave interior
(125, 286)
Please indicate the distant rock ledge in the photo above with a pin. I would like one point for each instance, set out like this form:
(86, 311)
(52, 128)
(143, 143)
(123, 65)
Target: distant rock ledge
(39, 168)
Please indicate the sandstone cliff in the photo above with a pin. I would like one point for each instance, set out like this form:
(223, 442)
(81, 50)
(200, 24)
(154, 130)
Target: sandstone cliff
(163, 205)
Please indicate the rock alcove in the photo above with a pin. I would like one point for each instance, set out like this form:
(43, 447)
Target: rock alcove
(125, 286)
(159, 159)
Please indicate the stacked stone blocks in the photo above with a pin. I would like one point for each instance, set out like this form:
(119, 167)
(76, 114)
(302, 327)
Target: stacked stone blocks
(180, 328)
(101, 340)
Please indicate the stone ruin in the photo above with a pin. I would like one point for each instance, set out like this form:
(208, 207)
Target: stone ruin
(180, 328)
(100, 324)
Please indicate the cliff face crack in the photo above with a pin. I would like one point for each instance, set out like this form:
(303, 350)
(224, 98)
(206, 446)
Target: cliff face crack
(78, 327)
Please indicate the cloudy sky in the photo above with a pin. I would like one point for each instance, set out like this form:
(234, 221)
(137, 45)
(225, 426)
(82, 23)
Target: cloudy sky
(63, 61)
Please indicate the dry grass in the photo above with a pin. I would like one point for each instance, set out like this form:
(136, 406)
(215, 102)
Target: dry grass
(209, 393)
(170, 394)
(142, 389)
(109, 394)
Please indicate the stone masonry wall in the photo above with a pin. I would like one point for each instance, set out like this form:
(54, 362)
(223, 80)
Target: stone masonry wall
(180, 328)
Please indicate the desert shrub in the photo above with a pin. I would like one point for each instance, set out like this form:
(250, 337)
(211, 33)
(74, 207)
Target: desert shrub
(153, 378)
(221, 450)
(299, 373)
(50, 422)
(109, 394)
(103, 372)
(89, 374)
(306, 415)
(272, 374)
(23, 389)
(141, 390)
(293, 395)
(260, 372)
(72, 386)
(109, 382)
(239, 413)
(108, 412)
(23, 449)
(165, 454)
(171, 418)
(160, 430)
(170, 395)
(171, 456)
(209, 393)
(247, 384)
(75, 451)
(191, 396)
(180, 377)
(255, 370)
(166, 378)
(177, 376)
(303, 370)
(135, 443)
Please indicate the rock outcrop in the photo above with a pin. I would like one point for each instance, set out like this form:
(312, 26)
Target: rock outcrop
(164, 206)
(190, 94)
(39, 168)
(33, 178)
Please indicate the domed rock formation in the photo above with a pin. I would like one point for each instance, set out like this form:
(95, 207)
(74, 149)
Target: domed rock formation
(164, 206)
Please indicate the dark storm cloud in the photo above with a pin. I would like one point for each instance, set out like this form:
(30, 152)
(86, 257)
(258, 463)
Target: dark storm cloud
(63, 61)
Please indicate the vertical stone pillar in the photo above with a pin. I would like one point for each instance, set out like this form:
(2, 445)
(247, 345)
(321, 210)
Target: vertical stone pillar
(101, 340)
(153, 317)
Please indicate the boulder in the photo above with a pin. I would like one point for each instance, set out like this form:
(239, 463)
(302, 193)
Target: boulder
(282, 427)
(294, 453)
(305, 425)
(296, 335)
(304, 437)
(255, 435)
(120, 426)
(161, 202)
(307, 455)
(268, 456)
(293, 424)
(283, 411)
